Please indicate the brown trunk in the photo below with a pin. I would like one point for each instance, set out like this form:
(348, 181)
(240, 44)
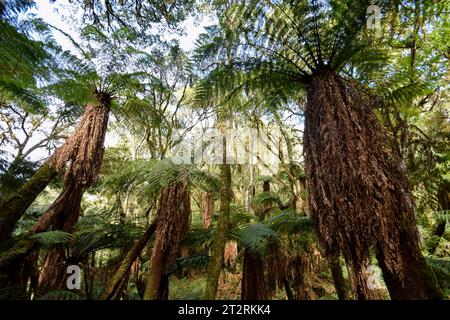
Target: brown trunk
(287, 289)
(80, 144)
(173, 223)
(208, 210)
(230, 254)
(338, 278)
(276, 269)
(53, 272)
(358, 192)
(300, 278)
(133, 254)
(361, 282)
(419, 282)
(262, 211)
(85, 161)
(253, 282)
(84, 150)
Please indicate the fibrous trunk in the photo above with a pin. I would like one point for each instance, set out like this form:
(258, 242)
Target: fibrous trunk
(208, 210)
(84, 151)
(173, 216)
(85, 159)
(358, 192)
(13, 208)
(253, 282)
(276, 269)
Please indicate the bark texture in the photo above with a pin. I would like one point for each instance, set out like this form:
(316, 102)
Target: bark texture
(83, 150)
(253, 281)
(276, 269)
(85, 154)
(173, 216)
(115, 283)
(78, 145)
(208, 210)
(358, 192)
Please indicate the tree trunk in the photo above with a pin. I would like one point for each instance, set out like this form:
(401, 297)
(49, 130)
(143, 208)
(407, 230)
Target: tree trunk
(133, 254)
(208, 210)
(230, 254)
(91, 126)
(287, 289)
(253, 282)
(276, 269)
(419, 284)
(13, 208)
(338, 278)
(444, 203)
(264, 209)
(85, 162)
(173, 223)
(358, 192)
(216, 262)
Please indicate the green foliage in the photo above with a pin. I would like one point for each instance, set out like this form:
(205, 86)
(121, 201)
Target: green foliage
(441, 270)
(60, 295)
(194, 262)
(290, 222)
(255, 237)
(106, 235)
(52, 238)
(148, 177)
(441, 216)
(266, 198)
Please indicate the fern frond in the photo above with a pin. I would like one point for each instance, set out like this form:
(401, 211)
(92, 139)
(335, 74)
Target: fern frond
(255, 237)
(194, 262)
(52, 238)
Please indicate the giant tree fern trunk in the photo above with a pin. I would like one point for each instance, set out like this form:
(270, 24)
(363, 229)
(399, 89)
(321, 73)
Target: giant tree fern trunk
(276, 270)
(208, 210)
(53, 272)
(91, 126)
(85, 158)
(253, 281)
(216, 262)
(358, 193)
(173, 223)
(84, 150)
